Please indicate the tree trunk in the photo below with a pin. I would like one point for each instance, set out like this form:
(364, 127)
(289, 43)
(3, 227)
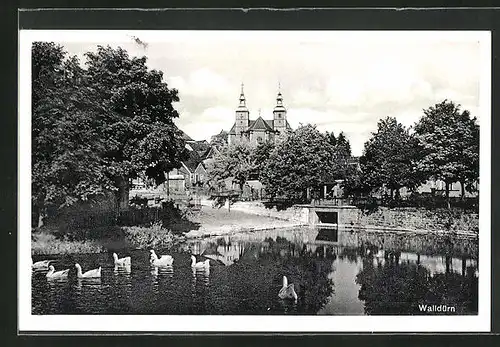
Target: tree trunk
(168, 186)
(122, 194)
(41, 216)
(37, 217)
(397, 194)
(447, 190)
(448, 264)
(462, 193)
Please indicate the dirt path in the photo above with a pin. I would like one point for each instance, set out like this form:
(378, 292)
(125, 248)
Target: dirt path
(214, 221)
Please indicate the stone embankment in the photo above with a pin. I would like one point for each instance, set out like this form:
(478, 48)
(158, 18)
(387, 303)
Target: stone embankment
(400, 220)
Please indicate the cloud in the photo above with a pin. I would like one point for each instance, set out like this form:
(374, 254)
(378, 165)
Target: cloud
(339, 81)
(201, 83)
(209, 122)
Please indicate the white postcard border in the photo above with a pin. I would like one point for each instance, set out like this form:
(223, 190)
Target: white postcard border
(188, 323)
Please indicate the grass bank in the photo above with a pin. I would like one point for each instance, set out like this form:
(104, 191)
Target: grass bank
(84, 229)
(47, 241)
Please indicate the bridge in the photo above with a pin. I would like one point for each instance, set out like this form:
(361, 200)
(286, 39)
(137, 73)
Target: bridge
(330, 215)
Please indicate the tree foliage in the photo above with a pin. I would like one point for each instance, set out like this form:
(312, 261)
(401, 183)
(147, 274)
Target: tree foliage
(341, 156)
(300, 161)
(448, 139)
(140, 131)
(220, 140)
(260, 157)
(66, 141)
(94, 128)
(389, 157)
(234, 162)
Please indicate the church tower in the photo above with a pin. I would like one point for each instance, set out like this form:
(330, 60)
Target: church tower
(279, 113)
(242, 116)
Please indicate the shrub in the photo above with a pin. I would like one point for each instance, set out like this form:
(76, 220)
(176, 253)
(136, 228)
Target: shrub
(149, 237)
(46, 243)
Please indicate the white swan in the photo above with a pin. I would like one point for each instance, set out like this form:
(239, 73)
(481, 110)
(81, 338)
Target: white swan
(287, 291)
(96, 273)
(163, 260)
(57, 274)
(201, 264)
(121, 261)
(41, 265)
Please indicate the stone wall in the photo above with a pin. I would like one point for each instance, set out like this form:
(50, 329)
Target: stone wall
(346, 215)
(417, 219)
(421, 219)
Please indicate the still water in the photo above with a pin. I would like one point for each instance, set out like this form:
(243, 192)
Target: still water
(334, 273)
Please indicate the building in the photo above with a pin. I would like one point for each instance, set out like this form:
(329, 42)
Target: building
(194, 170)
(191, 174)
(438, 187)
(259, 130)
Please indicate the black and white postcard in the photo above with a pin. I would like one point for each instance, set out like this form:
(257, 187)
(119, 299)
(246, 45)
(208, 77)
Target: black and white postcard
(254, 181)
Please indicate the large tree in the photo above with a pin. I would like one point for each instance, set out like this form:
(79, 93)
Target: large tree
(261, 155)
(389, 159)
(448, 139)
(341, 156)
(139, 131)
(94, 128)
(234, 162)
(299, 162)
(66, 142)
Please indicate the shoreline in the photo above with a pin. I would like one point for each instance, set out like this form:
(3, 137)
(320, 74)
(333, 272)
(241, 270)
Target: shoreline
(216, 222)
(197, 234)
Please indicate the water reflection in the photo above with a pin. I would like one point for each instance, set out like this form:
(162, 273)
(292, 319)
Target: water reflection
(164, 271)
(122, 269)
(334, 272)
(392, 286)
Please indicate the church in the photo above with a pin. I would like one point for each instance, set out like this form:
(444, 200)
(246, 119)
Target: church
(259, 130)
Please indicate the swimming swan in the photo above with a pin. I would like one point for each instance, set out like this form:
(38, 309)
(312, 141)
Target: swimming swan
(121, 261)
(41, 265)
(164, 260)
(287, 291)
(56, 274)
(200, 264)
(88, 274)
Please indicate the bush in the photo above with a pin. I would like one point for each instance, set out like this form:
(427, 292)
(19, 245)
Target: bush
(46, 243)
(149, 237)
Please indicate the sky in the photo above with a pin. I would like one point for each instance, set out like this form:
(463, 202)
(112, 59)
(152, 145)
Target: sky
(340, 81)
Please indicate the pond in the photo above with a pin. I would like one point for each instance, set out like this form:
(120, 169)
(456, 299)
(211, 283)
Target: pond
(334, 272)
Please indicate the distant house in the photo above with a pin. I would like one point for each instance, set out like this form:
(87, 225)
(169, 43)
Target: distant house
(191, 173)
(438, 187)
(194, 169)
(431, 187)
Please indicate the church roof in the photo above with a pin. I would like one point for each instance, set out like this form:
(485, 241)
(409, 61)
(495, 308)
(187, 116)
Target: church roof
(268, 125)
(260, 124)
(233, 130)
